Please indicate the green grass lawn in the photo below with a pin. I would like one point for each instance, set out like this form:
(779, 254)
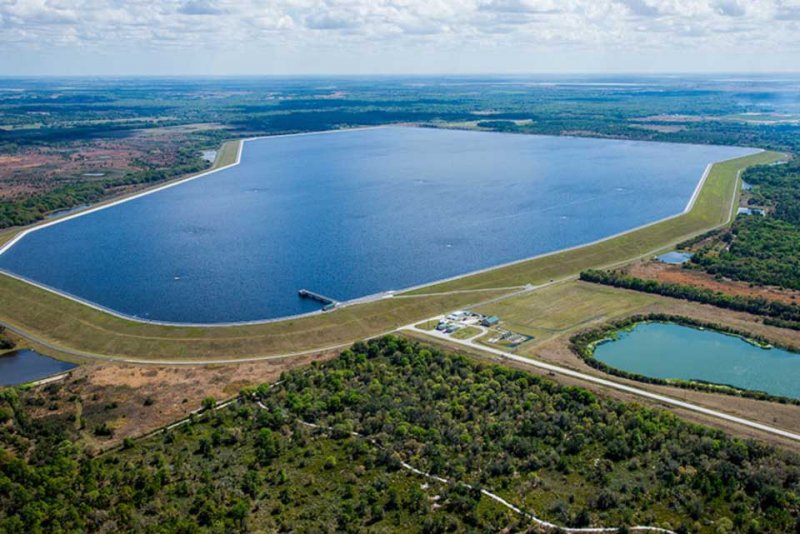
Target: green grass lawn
(562, 308)
(68, 324)
(227, 154)
(466, 332)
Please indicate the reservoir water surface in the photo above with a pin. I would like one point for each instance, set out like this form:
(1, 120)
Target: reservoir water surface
(666, 350)
(354, 213)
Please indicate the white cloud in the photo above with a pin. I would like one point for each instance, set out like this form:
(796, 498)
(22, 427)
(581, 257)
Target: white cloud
(519, 6)
(787, 10)
(731, 8)
(200, 7)
(345, 34)
(332, 21)
(642, 7)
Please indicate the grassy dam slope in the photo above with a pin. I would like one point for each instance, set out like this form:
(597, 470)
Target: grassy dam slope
(65, 328)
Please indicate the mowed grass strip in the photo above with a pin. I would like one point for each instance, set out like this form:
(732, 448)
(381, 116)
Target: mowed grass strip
(466, 333)
(227, 154)
(711, 209)
(566, 307)
(70, 325)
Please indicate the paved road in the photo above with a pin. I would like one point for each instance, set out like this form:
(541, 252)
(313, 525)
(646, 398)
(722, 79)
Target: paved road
(610, 384)
(469, 343)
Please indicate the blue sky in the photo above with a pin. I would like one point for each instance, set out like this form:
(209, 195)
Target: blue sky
(223, 37)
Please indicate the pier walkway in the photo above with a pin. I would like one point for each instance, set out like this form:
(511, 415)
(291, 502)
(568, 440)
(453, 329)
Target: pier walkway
(327, 302)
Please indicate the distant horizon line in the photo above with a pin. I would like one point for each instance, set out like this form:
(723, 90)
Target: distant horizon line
(756, 74)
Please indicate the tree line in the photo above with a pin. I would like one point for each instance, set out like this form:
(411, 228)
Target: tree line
(754, 305)
(761, 249)
(6, 343)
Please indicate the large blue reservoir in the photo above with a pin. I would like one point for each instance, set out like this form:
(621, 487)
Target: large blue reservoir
(353, 213)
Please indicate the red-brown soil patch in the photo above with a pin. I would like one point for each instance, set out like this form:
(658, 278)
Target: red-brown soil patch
(675, 274)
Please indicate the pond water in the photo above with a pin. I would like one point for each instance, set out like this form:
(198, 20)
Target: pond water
(667, 350)
(750, 211)
(21, 366)
(65, 211)
(675, 257)
(354, 213)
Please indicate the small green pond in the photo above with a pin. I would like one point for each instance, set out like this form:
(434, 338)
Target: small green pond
(668, 350)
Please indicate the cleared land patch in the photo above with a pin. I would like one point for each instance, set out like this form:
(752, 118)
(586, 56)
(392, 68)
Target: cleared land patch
(674, 274)
(133, 400)
(558, 311)
(562, 308)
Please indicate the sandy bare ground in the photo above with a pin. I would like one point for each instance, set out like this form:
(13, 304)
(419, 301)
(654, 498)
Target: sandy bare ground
(135, 399)
(662, 272)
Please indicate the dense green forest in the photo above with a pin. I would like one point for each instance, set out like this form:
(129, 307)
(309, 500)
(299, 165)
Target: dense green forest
(777, 186)
(763, 250)
(559, 452)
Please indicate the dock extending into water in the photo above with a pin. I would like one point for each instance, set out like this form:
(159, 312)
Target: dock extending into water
(327, 302)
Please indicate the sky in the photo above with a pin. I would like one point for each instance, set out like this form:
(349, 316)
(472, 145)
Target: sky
(231, 37)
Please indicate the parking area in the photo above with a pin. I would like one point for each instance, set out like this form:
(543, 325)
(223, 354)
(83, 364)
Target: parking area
(470, 325)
